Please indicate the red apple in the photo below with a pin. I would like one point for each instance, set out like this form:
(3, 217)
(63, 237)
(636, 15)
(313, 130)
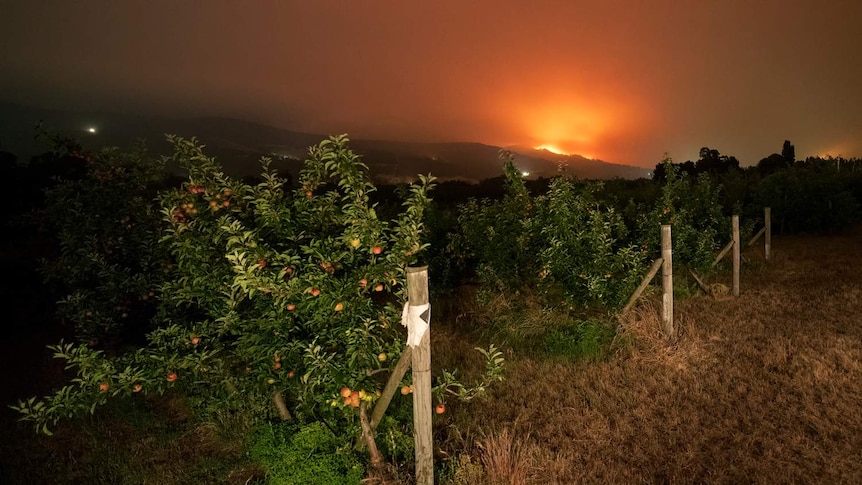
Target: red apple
(137, 387)
(377, 250)
(196, 340)
(440, 408)
(290, 374)
(339, 306)
(291, 307)
(103, 387)
(379, 287)
(172, 377)
(315, 292)
(363, 282)
(345, 391)
(261, 263)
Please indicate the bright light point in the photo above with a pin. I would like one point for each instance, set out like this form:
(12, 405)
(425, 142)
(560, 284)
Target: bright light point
(552, 149)
(91, 130)
(525, 173)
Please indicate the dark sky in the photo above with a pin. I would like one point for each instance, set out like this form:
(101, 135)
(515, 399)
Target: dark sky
(624, 81)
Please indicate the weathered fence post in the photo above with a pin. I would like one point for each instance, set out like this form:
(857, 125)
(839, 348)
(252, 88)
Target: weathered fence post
(767, 220)
(666, 281)
(417, 295)
(736, 250)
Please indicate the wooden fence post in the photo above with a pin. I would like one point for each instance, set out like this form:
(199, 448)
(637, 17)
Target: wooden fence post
(767, 220)
(417, 294)
(666, 281)
(736, 256)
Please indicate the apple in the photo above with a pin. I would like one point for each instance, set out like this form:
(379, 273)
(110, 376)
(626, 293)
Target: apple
(290, 374)
(315, 292)
(262, 263)
(308, 194)
(345, 391)
(172, 377)
(291, 307)
(277, 358)
(270, 381)
(288, 271)
(405, 390)
(226, 203)
(440, 408)
(363, 283)
(354, 243)
(227, 192)
(137, 387)
(377, 250)
(196, 340)
(339, 306)
(379, 287)
(103, 387)
(381, 357)
(276, 366)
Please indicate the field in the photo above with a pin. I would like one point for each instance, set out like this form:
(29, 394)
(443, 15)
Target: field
(764, 388)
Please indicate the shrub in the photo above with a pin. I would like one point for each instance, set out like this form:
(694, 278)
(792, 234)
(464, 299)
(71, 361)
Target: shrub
(292, 291)
(693, 209)
(809, 199)
(107, 224)
(585, 251)
(502, 236)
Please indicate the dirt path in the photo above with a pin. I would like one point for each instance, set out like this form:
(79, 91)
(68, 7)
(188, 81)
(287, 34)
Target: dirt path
(764, 388)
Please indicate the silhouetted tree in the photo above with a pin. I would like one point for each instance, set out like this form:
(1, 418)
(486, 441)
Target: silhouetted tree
(772, 164)
(788, 151)
(714, 163)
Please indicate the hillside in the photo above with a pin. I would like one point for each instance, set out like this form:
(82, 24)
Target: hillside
(239, 145)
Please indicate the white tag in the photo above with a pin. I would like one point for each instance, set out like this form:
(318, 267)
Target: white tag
(411, 317)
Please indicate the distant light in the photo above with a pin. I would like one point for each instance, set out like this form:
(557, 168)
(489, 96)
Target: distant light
(92, 130)
(525, 173)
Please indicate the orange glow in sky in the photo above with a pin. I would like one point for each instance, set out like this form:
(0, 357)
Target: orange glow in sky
(552, 149)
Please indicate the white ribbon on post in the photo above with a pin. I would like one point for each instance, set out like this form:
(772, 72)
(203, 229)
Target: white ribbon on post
(411, 317)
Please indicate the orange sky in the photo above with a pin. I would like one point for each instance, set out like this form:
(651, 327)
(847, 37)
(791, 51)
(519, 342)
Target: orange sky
(624, 81)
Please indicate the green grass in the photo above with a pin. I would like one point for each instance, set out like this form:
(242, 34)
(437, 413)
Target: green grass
(588, 340)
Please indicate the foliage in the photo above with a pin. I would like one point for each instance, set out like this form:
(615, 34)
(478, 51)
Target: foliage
(304, 454)
(581, 340)
(809, 197)
(693, 209)
(585, 251)
(502, 235)
(107, 224)
(269, 289)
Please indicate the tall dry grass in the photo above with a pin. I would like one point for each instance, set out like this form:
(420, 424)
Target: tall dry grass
(763, 388)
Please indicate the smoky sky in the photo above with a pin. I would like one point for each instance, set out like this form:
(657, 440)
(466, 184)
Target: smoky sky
(624, 81)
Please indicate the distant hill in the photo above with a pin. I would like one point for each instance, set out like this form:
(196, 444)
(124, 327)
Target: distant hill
(238, 146)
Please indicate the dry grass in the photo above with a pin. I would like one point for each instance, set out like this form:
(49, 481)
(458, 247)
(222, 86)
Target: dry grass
(764, 388)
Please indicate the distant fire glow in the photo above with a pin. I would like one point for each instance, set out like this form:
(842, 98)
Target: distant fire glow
(551, 149)
(525, 173)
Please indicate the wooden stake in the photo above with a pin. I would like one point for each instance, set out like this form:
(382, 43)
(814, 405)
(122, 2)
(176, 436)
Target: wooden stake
(767, 218)
(757, 236)
(650, 275)
(391, 387)
(667, 281)
(736, 255)
(417, 294)
(722, 253)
